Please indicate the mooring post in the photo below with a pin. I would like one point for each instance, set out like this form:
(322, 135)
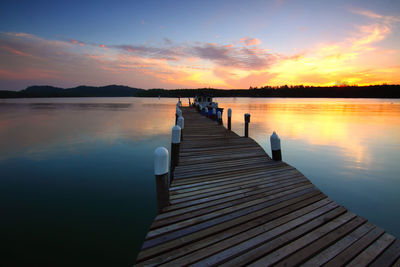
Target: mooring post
(276, 147)
(177, 114)
(175, 144)
(161, 173)
(219, 117)
(181, 123)
(229, 118)
(246, 124)
(206, 111)
(214, 114)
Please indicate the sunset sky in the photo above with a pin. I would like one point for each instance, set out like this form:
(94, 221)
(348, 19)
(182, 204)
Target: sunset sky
(191, 44)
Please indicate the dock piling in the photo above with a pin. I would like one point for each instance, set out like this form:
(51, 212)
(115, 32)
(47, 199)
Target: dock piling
(229, 118)
(219, 117)
(276, 147)
(181, 124)
(161, 174)
(175, 145)
(246, 124)
(177, 114)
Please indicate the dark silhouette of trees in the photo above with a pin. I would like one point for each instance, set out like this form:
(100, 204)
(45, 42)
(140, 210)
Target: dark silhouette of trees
(349, 91)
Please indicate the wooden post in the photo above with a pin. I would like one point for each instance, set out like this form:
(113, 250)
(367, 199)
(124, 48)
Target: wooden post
(214, 114)
(181, 123)
(276, 147)
(175, 145)
(229, 118)
(219, 117)
(190, 104)
(246, 124)
(161, 173)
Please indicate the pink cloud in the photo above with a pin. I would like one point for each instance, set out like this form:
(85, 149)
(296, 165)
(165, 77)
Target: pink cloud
(250, 41)
(15, 51)
(77, 42)
(27, 74)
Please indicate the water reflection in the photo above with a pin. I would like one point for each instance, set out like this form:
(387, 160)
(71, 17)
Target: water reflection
(35, 128)
(353, 128)
(77, 172)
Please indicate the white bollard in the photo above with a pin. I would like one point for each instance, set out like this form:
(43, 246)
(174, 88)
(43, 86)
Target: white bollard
(178, 111)
(276, 147)
(206, 109)
(229, 118)
(161, 173)
(181, 123)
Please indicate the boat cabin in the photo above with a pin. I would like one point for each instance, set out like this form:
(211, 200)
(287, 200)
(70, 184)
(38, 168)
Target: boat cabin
(205, 101)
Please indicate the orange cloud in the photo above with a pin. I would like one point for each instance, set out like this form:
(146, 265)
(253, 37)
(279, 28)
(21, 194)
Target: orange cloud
(371, 34)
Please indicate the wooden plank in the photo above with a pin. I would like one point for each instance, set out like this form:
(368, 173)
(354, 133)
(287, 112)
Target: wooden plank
(215, 204)
(333, 250)
(208, 256)
(206, 187)
(373, 251)
(292, 208)
(307, 251)
(389, 256)
(197, 235)
(352, 251)
(203, 194)
(229, 211)
(254, 248)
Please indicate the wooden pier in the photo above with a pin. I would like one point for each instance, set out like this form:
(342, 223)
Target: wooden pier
(231, 205)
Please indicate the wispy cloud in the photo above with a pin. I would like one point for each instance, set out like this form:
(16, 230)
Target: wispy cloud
(387, 19)
(250, 41)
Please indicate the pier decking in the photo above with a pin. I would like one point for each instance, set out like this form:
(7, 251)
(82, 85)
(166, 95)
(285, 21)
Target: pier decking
(231, 205)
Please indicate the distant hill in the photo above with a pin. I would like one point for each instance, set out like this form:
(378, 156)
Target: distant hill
(80, 91)
(372, 91)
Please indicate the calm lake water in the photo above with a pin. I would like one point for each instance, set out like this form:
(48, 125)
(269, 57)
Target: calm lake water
(77, 184)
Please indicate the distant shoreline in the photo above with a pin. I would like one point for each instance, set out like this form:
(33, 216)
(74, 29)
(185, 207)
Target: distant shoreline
(372, 91)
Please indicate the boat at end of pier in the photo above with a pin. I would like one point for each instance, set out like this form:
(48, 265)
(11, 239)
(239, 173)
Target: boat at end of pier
(201, 102)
